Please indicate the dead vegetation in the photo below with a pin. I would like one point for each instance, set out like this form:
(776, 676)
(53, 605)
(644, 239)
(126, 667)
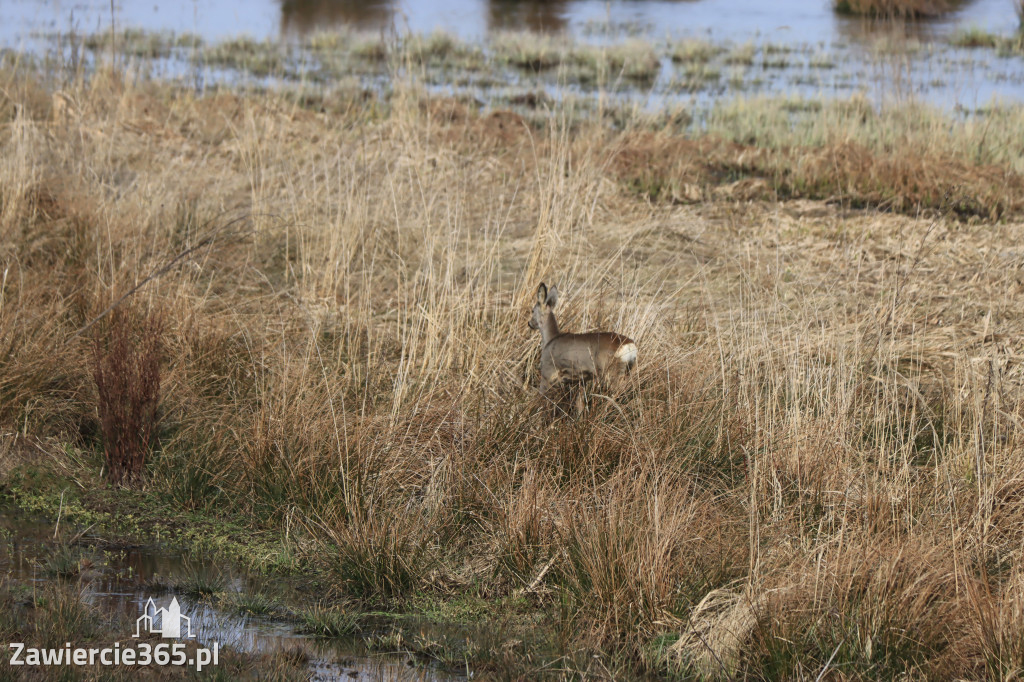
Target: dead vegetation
(126, 370)
(815, 474)
(901, 9)
(684, 170)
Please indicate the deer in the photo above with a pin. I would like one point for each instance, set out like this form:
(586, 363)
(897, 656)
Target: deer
(579, 358)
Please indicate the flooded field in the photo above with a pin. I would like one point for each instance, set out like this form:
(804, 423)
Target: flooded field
(652, 54)
(801, 20)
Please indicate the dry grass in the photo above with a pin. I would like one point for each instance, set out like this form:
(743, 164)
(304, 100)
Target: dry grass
(825, 421)
(686, 170)
(126, 370)
(849, 152)
(1005, 46)
(62, 614)
(903, 9)
(633, 60)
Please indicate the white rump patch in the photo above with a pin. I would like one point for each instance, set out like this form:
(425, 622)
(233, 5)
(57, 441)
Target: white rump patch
(627, 354)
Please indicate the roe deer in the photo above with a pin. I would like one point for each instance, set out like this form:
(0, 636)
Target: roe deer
(576, 357)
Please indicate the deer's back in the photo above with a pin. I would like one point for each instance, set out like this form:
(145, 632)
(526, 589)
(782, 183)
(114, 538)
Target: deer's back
(588, 354)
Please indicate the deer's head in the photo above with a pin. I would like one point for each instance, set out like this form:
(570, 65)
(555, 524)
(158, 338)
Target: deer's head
(546, 300)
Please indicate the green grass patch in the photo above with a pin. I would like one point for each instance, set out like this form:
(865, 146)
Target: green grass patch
(321, 621)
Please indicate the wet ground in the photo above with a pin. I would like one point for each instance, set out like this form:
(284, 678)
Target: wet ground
(795, 49)
(122, 581)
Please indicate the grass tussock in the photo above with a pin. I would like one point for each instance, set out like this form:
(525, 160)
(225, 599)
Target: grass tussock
(634, 60)
(974, 37)
(257, 603)
(877, 608)
(63, 562)
(258, 57)
(693, 51)
(441, 49)
(815, 465)
(63, 617)
(126, 370)
(902, 9)
(141, 43)
(200, 582)
(48, 618)
(528, 50)
(324, 622)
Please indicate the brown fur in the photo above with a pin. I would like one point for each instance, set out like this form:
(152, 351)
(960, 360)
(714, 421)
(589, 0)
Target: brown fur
(568, 357)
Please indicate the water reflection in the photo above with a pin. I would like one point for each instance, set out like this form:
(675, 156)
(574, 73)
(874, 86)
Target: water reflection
(869, 31)
(728, 18)
(541, 16)
(301, 17)
(119, 584)
(308, 16)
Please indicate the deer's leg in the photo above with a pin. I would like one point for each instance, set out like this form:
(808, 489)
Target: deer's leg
(549, 380)
(618, 378)
(613, 381)
(581, 398)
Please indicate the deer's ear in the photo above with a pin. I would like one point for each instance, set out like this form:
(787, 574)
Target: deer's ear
(542, 293)
(552, 298)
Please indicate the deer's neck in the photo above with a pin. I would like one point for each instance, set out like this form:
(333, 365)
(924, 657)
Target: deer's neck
(548, 329)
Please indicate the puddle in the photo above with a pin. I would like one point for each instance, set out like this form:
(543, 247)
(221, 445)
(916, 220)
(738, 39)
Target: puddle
(121, 582)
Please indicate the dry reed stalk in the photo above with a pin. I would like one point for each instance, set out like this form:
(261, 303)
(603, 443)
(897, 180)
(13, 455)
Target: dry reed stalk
(814, 385)
(127, 374)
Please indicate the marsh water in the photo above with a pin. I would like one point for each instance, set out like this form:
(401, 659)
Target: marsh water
(120, 582)
(804, 20)
(798, 48)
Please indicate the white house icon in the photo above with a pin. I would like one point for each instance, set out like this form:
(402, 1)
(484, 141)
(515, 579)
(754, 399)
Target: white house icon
(170, 620)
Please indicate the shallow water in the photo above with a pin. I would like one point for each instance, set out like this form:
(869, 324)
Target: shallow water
(826, 55)
(121, 583)
(802, 20)
(801, 48)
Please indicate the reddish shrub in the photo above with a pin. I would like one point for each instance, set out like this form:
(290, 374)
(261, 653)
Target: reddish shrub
(127, 374)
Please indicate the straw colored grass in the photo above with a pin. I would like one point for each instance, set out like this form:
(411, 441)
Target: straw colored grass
(904, 9)
(815, 468)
